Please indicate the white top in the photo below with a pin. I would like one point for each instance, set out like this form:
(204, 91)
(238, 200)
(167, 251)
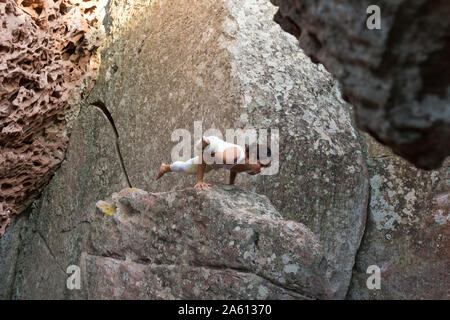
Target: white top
(218, 145)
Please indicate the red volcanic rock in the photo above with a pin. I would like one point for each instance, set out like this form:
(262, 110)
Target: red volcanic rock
(45, 55)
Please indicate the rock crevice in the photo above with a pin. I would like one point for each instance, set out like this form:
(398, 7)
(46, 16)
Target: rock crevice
(101, 106)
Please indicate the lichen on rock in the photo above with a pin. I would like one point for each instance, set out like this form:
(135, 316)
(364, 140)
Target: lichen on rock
(407, 232)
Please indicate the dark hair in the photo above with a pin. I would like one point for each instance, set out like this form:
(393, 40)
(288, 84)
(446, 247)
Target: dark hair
(259, 149)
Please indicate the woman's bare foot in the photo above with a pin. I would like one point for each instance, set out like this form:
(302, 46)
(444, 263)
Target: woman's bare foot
(162, 170)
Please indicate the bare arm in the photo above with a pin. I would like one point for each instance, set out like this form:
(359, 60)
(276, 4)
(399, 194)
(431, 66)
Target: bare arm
(233, 175)
(256, 169)
(200, 172)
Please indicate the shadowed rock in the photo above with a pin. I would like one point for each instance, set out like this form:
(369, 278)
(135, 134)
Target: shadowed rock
(397, 77)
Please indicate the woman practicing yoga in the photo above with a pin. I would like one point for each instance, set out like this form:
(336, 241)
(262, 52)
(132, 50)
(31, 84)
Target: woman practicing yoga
(217, 154)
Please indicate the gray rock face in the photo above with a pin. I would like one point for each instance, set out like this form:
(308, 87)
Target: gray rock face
(396, 77)
(407, 232)
(9, 250)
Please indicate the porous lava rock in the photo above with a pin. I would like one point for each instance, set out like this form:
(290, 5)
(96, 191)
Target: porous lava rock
(47, 59)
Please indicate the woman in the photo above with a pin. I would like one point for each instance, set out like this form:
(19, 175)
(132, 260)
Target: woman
(220, 154)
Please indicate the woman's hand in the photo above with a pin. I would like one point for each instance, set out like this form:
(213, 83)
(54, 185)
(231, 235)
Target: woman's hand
(200, 171)
(201, 185)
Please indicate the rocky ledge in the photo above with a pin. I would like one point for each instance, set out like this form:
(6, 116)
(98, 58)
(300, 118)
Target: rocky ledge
(221, 243)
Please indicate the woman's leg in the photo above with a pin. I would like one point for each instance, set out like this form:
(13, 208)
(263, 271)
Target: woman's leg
(187, 167)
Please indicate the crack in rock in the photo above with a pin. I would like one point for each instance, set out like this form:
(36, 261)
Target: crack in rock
(102, 107)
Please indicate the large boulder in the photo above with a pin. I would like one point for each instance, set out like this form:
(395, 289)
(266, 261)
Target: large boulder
(397, 77)
(190, 244)
(166, 66)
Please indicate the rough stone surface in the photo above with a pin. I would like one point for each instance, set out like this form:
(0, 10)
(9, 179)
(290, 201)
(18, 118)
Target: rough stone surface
(9, 250)
(224, 237)
(407, 231)
(222, 243)
(138, 281)
(47, 58)
(169, 64)
(396, 77)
